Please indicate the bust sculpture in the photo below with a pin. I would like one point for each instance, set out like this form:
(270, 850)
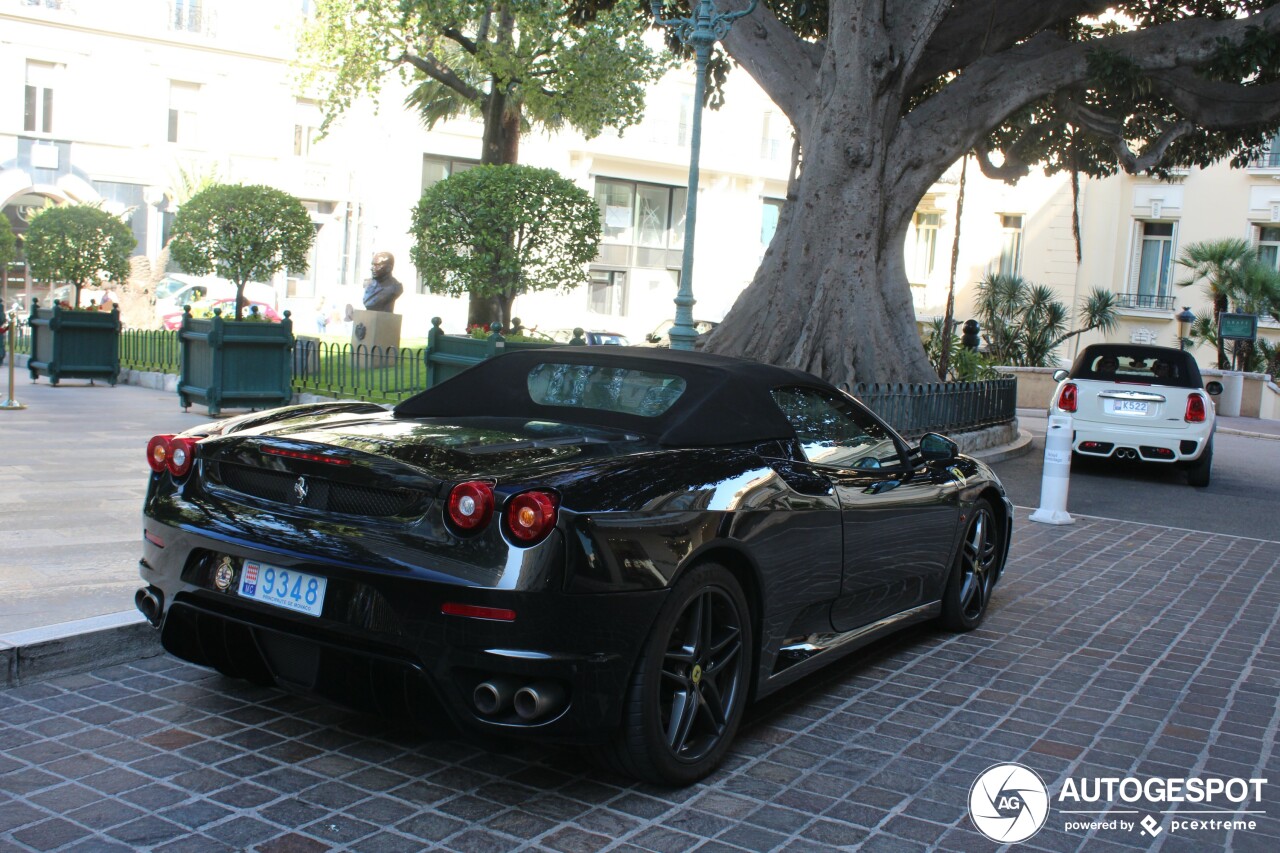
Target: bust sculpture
(382, 291)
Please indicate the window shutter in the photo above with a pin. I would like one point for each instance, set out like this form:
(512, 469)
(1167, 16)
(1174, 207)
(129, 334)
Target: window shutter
(1135, 259)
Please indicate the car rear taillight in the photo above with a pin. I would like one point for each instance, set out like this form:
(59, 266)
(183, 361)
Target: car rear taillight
(470, 505)
(158, 452)
(1067, 397)
(1195, 409)
(530, 516)
(182, 453)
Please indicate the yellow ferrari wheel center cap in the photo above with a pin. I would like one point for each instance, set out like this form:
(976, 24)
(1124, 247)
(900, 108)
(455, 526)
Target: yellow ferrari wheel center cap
(697, 673)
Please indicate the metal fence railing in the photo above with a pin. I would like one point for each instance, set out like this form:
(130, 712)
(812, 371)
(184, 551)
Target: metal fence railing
(362, 373)
(915, 409)
(149, 349)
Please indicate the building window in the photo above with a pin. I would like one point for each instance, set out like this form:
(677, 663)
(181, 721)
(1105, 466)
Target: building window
(770, 212)
(1152, 270)
(37, 114)
(306, 126)
(1010, 262)
(775, 137)
(436, 169)
(636, 214)
(607, 292)
(1269, 246)
(926, 245)
(184, 99)
(128, 202)
(1269, 158)
(186, 15)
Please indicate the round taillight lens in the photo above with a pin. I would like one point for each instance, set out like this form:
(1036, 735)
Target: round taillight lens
(530, 516)
(158, 452)
(1196, 412)
(470, 505)
(182, 453)
(1067, 399)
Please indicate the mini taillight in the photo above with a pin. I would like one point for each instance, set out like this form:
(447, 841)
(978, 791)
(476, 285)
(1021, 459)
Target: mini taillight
(1195, 409)
(470, 505)
(1067, 397)
(530, 516)
(158, 452)
(182, 452)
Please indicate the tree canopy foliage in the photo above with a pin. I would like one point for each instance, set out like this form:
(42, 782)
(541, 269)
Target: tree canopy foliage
(885, 95)
(499, 231)
(553, 63)
(79, 244)
(243, 233)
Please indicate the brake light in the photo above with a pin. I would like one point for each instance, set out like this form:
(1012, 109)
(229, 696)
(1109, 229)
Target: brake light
(1195, 409)
(530, 516)
(1067, 397)
(475, 611)
(308, 457)
(470, 505)
(158, 452)
(182, 453)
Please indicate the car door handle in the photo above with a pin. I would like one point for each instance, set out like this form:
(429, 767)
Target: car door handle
(881, 486)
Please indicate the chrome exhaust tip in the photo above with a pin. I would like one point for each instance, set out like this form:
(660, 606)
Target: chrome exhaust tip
(150, 603)
(534, 701)
(493, 696)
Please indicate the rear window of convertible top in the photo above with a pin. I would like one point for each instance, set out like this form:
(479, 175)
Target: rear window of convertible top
(609, 389)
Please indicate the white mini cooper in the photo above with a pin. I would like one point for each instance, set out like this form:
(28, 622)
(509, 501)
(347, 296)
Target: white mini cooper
(1139, 403)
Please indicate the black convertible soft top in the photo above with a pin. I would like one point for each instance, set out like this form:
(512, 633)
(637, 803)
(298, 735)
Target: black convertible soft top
(725, 401)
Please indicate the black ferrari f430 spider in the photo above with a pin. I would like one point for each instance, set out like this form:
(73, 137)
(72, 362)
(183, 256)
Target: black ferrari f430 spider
(611, 546)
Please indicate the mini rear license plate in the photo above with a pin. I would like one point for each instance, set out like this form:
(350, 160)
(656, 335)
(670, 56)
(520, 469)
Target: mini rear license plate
(1130, 407)
(287, 588)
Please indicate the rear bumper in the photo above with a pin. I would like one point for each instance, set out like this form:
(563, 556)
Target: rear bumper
(1145, 445)
(382, 644)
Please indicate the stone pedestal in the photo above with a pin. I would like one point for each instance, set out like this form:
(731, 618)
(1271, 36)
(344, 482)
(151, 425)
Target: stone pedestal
(380, 329)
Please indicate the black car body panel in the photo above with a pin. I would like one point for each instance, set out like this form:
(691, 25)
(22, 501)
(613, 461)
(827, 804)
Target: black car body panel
(828, 557)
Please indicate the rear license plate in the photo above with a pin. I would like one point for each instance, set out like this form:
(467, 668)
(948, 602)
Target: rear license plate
(287, 588)
(1130, 407)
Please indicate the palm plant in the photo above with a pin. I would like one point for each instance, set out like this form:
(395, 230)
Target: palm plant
(1215, 262)
(1024, 323)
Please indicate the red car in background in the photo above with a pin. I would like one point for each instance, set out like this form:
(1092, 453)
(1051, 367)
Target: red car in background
(205, 309)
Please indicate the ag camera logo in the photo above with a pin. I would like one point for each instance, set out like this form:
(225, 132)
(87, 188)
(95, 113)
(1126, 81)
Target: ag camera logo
(1008, 803)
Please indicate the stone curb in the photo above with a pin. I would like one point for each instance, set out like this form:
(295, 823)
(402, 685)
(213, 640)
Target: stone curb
(1019, 447)
(37, 654)
(1247, 434)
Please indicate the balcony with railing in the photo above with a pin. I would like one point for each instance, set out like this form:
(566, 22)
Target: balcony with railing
(1147, 301)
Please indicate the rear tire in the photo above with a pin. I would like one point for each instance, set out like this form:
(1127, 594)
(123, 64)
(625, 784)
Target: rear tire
(689, 689)
(1199, 472)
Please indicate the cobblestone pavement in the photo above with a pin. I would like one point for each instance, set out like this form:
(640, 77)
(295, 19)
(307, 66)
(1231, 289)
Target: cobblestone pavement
(1114, 649)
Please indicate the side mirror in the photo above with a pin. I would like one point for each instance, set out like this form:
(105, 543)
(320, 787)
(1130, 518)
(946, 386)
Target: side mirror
(938, 448)
(1060, 374)
(1214, 388)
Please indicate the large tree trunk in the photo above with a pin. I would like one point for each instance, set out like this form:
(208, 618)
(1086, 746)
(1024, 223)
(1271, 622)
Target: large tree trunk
(832, 296)
(500, 146)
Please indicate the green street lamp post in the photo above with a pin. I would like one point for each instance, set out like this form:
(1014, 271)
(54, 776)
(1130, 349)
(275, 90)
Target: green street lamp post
(702, 31)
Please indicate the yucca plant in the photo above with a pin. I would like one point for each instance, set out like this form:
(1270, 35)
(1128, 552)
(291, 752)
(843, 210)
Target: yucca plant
(1023, 324)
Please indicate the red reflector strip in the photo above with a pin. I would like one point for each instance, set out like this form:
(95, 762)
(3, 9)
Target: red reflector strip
(474, 611)
(153, 539)
(310, 457)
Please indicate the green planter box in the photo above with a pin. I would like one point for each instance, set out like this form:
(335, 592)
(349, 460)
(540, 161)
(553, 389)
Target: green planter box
(239, 364)
(449, 355)
(74, 344)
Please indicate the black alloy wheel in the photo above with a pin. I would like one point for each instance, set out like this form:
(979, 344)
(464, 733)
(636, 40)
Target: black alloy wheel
(976, 569)
(690, 687)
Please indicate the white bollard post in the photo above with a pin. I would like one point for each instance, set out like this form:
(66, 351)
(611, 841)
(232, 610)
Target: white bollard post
(1057, 473)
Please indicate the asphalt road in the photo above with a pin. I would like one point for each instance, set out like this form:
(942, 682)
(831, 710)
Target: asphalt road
(1243, 498)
